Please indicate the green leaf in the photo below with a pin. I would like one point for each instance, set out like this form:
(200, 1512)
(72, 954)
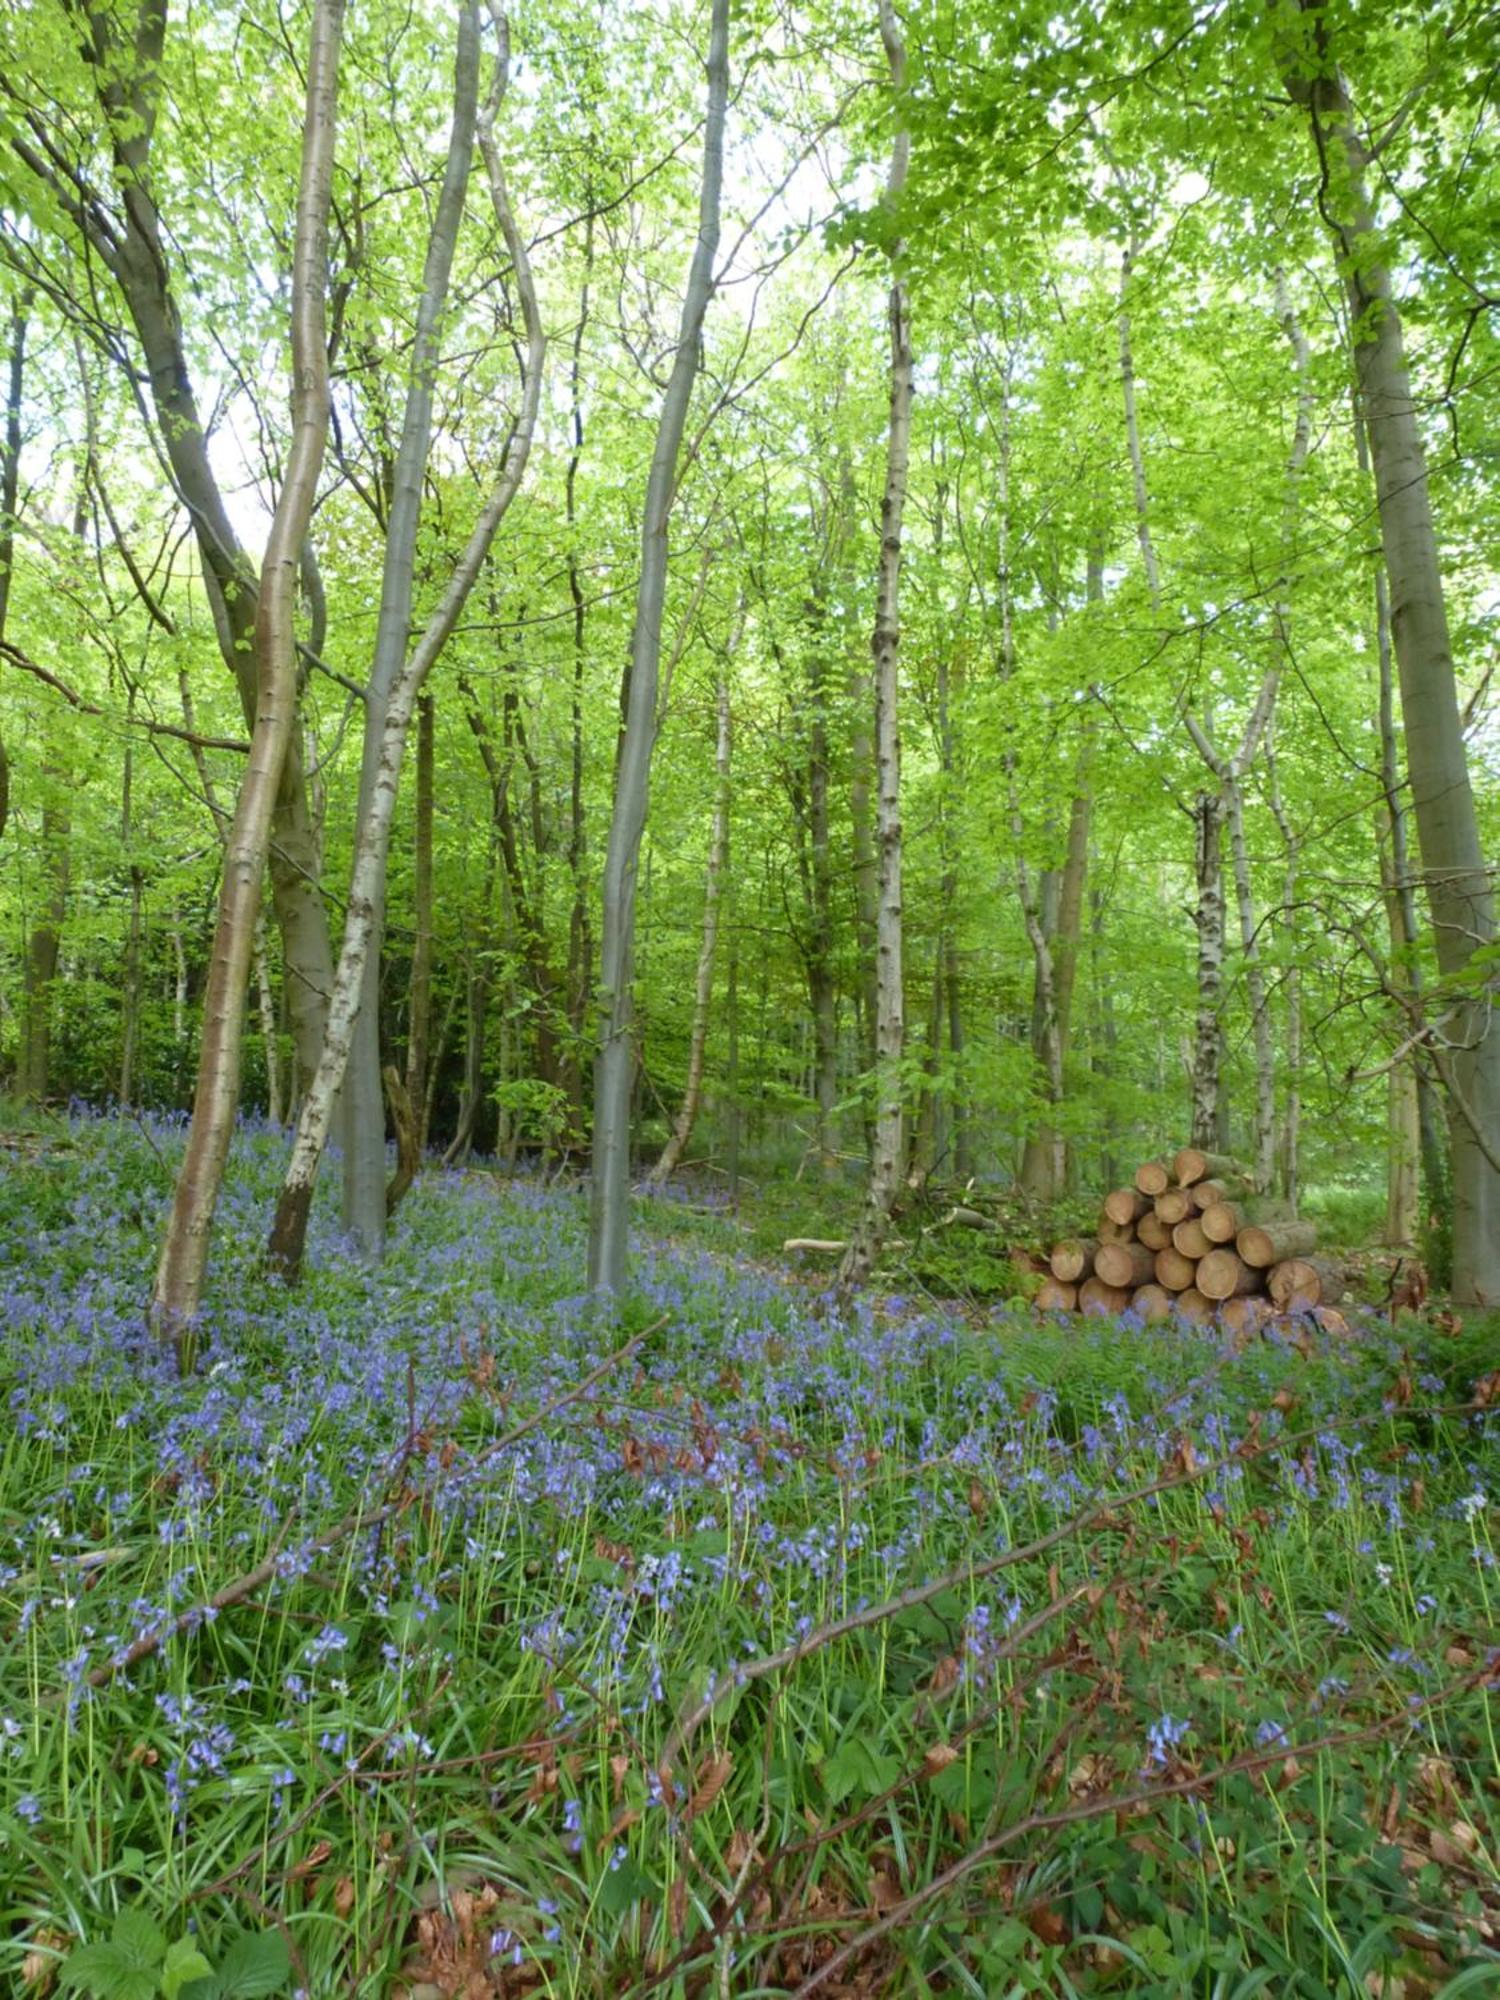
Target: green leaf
(138, 1937)
(623, 1887)
(183, 1963)
(255, 1964)
(108, 1972)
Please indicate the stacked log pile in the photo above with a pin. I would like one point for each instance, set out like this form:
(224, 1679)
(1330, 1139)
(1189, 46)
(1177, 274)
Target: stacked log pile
(1191, 1237)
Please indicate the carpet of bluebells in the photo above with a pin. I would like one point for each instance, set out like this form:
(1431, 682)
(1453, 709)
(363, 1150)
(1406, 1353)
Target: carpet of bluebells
(1235, 1735)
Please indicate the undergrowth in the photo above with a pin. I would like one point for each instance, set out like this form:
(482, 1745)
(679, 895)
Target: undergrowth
(525, 1733)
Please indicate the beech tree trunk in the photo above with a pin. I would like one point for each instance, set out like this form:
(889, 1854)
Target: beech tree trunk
(128, 82)
(1466, 1042)
(614, 1065)
(887, 1150)
(419, 1014)
(703, 985)
(372, 846)
(184, 1255)
(362, 1111)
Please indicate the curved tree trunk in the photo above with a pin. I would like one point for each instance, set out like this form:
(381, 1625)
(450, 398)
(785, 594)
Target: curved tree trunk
(367, 886)
(184, 1255)
(363, 1101)
(614, 1065)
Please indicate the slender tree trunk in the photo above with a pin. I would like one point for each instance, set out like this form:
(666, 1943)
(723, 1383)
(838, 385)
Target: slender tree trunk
(265, 999)
(1467, 1040)
(615, 1061)
(1044, 1160)
(184, 1256)
(1264, 1141)
(1291, 1117)
(363, 1099)
(372, 846)
(703, 985)
(419, 1016)
(34, 1068)
(10, 489)
(887, 1150)
(580, 976)
(130, 971)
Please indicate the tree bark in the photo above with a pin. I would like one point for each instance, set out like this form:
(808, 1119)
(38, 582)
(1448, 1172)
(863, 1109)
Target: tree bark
(10, 488)
(703, 985)
(419, 1010)
(580, 976)
(1209, 918)
(1453, 864)
(362, 1111)
(184, 1255)
(887, 1149)
(372, 847)
(614, 1063)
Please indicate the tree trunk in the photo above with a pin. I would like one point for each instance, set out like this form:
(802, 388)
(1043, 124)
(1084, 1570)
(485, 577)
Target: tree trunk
(718, 850)
(580, 976)
(184, 1256)
(372, 847)
(34, 1064)
(10, 489)
(615, 1060)
(363, 1100)
(128, 83)
(887, 1150)
(822, 989)
(1453, 863)
(419, 1012)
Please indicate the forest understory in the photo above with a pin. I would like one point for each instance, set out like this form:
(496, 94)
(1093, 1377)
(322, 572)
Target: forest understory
(447, 1635)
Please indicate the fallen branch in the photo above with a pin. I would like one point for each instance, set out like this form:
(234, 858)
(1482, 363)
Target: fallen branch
(356, 1522)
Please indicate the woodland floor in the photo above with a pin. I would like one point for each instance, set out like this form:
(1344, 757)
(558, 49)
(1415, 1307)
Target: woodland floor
(1199, 1697)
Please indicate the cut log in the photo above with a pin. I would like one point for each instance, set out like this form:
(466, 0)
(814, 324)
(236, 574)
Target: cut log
(1331, 1321)
(1073, 1259)
(1152, 1303)
(1153, 1231)
(1153, 1178)
(1247, 1314)
(1188, 1237)
(1223, 1275)
(1266, 1243)
(828, 1244)
(1190, 1165)
(1110, 1231)
(1055, 1296)
(1301, 1283)
(1223, 1220)
(1175, 1206)
(1125, 1205)
(1124, 1265)
(1193, 1305)
(1174, 1270)
(1203, 1194)
(1099, 1299)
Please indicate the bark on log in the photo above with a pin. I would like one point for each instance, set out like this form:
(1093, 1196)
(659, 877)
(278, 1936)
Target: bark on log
(1055, 1296)
(1300, 1283)
(1152, 1303)
(1175, 1206)
(1190, 1239)
(1125, 1205)
(1265, 1244)
(1192, 1165)
(1174, 1270)
(1098, 1299)
(1073, 1259)
(1222, 1275)
(1223, 1220)
(1195, 1306)
(1124, 1265)
(1115, 1232)
(1153, 1177)
(1153, 1231)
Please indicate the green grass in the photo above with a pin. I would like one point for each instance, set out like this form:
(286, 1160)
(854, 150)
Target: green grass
(449, 1733)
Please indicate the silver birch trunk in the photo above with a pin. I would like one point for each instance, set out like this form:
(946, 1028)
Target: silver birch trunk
(1459, 895)
(703, 984)
(614, 1063)
(363, 1101)
(887, 1150)
(184, 1255)
(372, 847)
